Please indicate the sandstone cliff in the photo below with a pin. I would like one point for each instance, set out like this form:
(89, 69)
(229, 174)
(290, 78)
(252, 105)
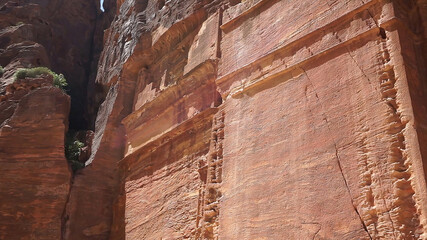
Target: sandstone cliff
(35, 116)
(257, 119)
(35, 177)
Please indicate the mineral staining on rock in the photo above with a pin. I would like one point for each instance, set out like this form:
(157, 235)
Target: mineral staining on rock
(245, 120)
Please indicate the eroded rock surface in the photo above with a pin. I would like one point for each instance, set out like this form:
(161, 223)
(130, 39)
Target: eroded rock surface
(34, 115)
(317, 134)
(65, 36)
(257, 119)
(35, 176)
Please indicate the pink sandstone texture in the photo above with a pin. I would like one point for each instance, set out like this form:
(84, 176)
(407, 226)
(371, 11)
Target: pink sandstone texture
(256, 119)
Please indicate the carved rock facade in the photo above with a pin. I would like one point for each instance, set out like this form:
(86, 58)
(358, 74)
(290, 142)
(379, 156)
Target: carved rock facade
(265, 119)
(258, 119)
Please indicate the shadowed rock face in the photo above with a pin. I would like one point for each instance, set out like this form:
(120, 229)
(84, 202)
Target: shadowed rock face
(65, 36)
(35, 177)
(257, 119)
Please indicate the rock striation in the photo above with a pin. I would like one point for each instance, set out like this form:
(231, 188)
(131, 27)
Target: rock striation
(256, 119)
(35, 176)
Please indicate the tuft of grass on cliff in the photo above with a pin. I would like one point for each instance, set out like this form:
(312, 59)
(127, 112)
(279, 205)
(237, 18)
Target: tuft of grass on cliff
(1, 71)
(58, 79)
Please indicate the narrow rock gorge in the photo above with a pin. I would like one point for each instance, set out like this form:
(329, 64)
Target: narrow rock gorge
(214, 119)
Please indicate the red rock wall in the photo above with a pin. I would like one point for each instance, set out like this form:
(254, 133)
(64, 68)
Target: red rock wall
(315, 136)
(35, 176)
(60, 35)
(167, 175)
(257, 119)
(133, 42)
(329, 111)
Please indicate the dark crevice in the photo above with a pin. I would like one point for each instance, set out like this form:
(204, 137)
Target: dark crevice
(89, 69)
(96, 93)
(80, 130)
(81, 84)
(65, 217)
(78, 141)
(382, 33)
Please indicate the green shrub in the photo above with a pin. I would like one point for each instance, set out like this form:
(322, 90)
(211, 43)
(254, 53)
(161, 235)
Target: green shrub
(58, 79)
(1, 71)
(73, 150)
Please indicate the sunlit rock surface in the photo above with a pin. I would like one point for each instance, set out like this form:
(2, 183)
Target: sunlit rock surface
(257, 119)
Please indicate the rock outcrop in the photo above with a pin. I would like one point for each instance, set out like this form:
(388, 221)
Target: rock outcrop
(257, 119)
(65, 36)
(35, 176)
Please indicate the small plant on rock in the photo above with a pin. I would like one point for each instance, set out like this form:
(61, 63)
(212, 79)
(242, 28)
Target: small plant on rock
(73, 150)
(1, 71)
(58, 79)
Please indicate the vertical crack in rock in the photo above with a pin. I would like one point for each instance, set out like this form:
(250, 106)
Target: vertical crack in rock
(338, 158)
(317, 232)
(371, 179)
(366, 165)
(361, 70)
(65, 216)
(373, 18)
(348, 189)
(403, 204)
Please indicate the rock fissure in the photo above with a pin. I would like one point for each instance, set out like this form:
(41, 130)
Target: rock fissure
(349, 192)
(317, 232)
(338, 159)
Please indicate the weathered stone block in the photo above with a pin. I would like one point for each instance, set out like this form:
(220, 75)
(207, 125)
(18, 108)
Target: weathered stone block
(205, 44)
